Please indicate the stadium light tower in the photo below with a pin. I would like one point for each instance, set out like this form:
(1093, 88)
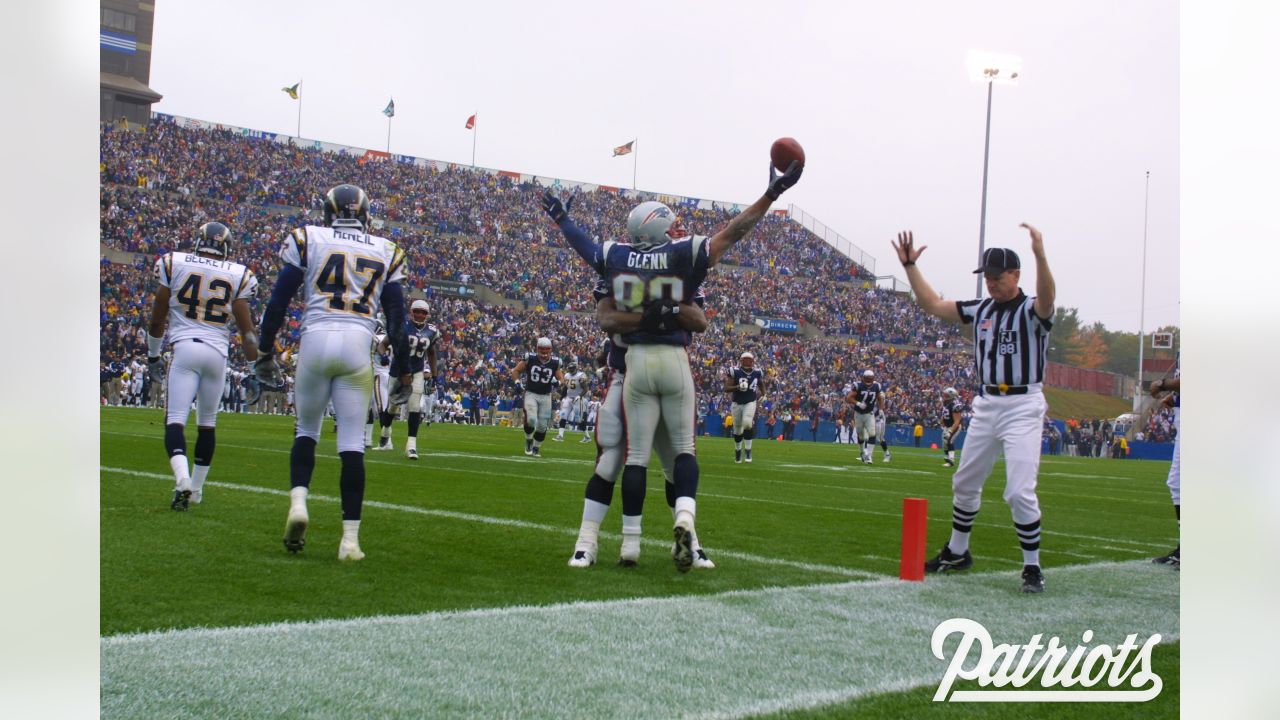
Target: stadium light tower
(990, 68)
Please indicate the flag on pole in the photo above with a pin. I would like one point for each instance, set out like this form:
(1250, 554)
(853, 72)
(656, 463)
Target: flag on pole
(292, 91)
(390, 109)
(623, 149)
(471, 122)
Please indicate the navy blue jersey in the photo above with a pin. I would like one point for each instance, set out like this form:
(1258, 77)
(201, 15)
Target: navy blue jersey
(538, 375)
(616, 353)
(673, 271)
(949, 408)
(868, 394)
(746, 384)
(420, 341)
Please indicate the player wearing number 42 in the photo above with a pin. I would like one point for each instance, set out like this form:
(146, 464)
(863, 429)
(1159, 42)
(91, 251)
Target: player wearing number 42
(345, 274)
(197, 294)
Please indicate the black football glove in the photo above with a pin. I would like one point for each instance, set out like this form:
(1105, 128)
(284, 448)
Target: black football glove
(252, 389)
(779, 184)
(400, 392)
(658, 314)
(267, 370)
(556, 209)
(155, 369)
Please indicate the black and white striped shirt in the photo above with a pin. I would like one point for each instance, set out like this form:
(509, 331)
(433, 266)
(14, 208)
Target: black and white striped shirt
(1009, 340)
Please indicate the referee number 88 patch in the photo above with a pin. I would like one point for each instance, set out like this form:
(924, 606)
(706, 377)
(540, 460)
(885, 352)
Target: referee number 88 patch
(1008, 344)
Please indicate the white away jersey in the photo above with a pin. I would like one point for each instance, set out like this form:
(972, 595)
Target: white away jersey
(344, 270)
(575, 384)
(201, 291)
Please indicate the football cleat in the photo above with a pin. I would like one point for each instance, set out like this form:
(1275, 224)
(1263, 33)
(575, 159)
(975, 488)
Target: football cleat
(737, 456)
(349, 550)
(1032, 579)
(947, 561)
(197, 496)
(701, 561)
(387, 446)
(411, 453)
(682, 553)
(1173, 559)
(887, 457)
(558, 439)
(537, 452)
(585, 439)
(748, 458)
(582, 558)
(294, 529)
(948, 463)
(181, 499)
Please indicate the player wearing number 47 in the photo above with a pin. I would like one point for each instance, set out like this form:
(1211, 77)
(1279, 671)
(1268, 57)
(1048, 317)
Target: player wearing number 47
(1010, 335)
(651, 277)
(345, 275)
(197, 294)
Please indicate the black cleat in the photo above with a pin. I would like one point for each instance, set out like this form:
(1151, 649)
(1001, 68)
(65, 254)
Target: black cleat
(624, 562)
(1032, 579)
(1173, 559)
(181, 500)
(946, 561)
(737, 456)
(682, 553)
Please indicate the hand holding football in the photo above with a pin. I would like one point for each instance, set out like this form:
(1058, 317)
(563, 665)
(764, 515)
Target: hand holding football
(784, 151)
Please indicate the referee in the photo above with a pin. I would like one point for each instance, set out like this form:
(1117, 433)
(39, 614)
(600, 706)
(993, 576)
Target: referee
(1010, 337)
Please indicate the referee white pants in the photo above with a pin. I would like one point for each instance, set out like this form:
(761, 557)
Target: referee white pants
(1011, 423)
(197, 373)
(610, 450)
(334, 365)
(1175, 472)
(659, 389)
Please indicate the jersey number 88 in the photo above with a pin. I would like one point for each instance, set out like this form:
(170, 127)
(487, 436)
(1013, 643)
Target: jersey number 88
(631, 292)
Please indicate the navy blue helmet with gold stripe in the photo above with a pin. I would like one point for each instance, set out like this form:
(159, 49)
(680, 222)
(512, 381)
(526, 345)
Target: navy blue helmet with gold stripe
(214, 238)
(346, 202)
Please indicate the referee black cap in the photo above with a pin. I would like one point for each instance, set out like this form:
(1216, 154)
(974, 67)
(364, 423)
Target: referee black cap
(999, 260)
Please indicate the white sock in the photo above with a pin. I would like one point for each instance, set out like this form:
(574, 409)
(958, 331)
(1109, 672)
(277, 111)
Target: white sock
(686, 508)
(1031, 557)
(746, 444)
(588, 534)
(593, 511)
(386, 432)
(411, 443)
(693, 536)
(959, 542)
(298, 497)
(199, 473)
(351, 530)
(368, 434)
(631, 524)
(560, 433)
(737, 444)
(181, 475)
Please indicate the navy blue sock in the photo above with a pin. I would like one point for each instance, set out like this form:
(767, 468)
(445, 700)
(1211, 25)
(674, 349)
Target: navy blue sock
(671, 494)
(686, 479)
(633, 482)
(599, 490)
(175, 441)
(352, 484)
(302, 462)
(415, 420)
(204, 446)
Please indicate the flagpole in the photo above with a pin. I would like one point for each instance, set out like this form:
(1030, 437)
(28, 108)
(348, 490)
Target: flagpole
(635, 160)
(299, 110)
(388, 134)
(475, 130)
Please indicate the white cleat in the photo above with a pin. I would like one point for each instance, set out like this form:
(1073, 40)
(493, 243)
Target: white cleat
(557, 439)
(583, 558)
(682, 553)
(197, 496)
(383, 448)
(701, 561)
(411, 453)
(887, 457)
(585, 439)
(630, 554)
(295, 528)
(349, 550)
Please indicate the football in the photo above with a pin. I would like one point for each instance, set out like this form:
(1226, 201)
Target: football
(785, 150)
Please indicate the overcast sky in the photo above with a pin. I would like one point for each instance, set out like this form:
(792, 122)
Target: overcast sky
(878, 94)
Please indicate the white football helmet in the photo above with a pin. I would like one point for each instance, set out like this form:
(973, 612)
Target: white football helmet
(418, 305)
(951, 392)
(649, 223)
(868, 375)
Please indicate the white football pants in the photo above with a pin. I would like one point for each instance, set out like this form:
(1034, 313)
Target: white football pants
(334, 365)
(197, 372)
(1012, 423)
(659, 389)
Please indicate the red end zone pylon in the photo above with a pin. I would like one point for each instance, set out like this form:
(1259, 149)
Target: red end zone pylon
(915, 513)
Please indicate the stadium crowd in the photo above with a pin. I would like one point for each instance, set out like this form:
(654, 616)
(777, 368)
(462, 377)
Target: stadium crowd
(479, 228)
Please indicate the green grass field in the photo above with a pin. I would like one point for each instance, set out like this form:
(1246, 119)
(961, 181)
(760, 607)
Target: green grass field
(464, 606)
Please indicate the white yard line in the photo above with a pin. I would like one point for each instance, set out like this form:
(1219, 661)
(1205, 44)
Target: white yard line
(726, 655)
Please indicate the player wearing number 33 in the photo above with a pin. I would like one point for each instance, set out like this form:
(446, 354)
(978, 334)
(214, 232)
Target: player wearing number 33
(197, 294)
(1010, 337)
(345, 275)
(661, 268)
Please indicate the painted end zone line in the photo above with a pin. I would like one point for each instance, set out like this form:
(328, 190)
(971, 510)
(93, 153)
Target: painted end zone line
(524, 524)
(751, 651)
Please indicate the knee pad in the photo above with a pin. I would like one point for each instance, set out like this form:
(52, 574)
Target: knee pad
(540, 435)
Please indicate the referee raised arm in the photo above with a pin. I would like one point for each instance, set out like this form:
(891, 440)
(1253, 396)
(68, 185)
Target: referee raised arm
(1010, 337)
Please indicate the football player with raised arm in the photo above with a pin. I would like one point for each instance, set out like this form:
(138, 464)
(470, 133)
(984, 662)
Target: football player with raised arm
(197, 294)
(345, 275)
(744, 384)
(659, 270)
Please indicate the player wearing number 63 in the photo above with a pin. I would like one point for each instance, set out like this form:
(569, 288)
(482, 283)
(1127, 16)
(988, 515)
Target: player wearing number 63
(537, 372)
(197, 294)
(661, 268)
(345, 275)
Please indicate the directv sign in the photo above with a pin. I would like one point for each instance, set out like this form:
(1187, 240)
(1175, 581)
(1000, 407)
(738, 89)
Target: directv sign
(787, 326)
(446, 287)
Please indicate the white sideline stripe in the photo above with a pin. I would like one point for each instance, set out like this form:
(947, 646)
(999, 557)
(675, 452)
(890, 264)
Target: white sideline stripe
(523, 524)
(860, 511)
(751, 651)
